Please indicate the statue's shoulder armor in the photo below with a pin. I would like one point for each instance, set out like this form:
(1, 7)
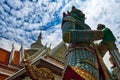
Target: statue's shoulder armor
(86, 27)
(71, 19)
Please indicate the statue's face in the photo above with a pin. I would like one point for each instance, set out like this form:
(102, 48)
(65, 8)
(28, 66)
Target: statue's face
(100, 27)
(77, 14)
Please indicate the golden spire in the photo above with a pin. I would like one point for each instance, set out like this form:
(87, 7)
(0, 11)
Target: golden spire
(38, 43)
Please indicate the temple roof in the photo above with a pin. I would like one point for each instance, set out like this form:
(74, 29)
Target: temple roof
(5, 55)
(59, 52)
(53, 60)
(8, 69)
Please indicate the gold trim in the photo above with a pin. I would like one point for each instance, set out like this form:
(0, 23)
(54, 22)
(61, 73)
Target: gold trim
(39, 73)
(83, 73)
(89, 62)
(67, 37)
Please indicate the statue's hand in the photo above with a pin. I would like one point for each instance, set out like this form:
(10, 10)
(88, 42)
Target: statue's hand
(108, 38)
(108, 35)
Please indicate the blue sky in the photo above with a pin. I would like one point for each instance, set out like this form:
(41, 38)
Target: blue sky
(22, 20)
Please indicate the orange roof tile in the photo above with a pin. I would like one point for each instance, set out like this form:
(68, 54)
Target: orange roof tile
(3, 77)
(16, 57)
(4, 56)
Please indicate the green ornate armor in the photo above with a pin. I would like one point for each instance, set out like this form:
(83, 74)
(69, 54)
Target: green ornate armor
(108, 35)
(108, 44)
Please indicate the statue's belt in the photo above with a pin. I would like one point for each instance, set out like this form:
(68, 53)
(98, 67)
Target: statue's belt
(82, 46)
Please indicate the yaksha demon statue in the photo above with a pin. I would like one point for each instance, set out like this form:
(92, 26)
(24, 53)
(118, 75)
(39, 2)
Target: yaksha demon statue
(83, 61)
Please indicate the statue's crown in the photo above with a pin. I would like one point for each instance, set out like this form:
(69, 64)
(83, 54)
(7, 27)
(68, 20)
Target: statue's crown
(75, 10)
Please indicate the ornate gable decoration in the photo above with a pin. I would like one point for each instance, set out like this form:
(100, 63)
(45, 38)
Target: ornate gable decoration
(39, 73)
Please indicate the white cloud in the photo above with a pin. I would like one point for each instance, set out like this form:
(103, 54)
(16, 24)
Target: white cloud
(106, 61)
(102, 11)
(7, 45)
(15, 4)
(53, 38)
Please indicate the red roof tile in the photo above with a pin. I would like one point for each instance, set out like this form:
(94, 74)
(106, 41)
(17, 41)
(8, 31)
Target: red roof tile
(16, 57)
(3, 77)
(4, 56)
